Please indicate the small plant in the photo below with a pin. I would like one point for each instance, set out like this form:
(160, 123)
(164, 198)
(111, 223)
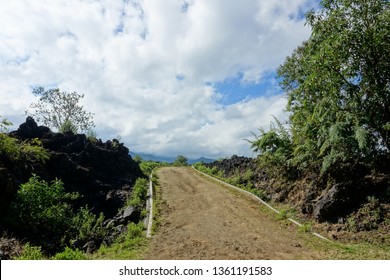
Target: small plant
(28, 150)
(70, 254)
(258, 192)
(285, 213)
(132, 236)
(68, 127)
(4, 124)
(368, 217)
(40, 209)
(138, 195)
(306, 227)
(31, 253)
(180, 161)
(87, 225)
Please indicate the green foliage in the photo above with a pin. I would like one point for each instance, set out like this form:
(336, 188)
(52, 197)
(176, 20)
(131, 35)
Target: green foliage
(138, 159)
(68, 127)
(148, 166)
(31, 253)
(243, 181)
(275, 149)
(61, 110)
(368, 217)
(134, 231)
(91, 135)
(214, 171)
(138, 195)
(70, 254)
(180, 161)
(337, 85)
(133, 236)
(43, 213)
(87, 225)
(286, 213)
(127, 246)
(306, 227)
(41, 210)
(4, 124)
(28, 150)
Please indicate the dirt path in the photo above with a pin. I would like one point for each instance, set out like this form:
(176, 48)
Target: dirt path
(204, 220)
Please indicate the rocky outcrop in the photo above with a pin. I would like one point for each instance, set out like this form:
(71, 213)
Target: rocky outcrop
(7, 188)
(238, 165)
(102, 173)
(311, 194)
(333, 203)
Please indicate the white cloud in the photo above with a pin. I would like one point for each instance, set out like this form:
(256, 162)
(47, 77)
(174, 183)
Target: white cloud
(145, 66)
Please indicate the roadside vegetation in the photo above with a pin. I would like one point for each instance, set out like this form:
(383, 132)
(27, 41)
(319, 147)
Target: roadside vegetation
(242, 180)
(337, 86)
(45, 220)
(42, 213)
(330, 161)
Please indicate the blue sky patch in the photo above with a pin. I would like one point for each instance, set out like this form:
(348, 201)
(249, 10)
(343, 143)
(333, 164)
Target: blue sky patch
(234, 90)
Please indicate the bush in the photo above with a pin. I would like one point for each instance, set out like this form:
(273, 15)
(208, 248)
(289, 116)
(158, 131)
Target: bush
(180, 161)
(368, 217)
(41, 210)
(148, 166)
(31, 253)
(275, 148)
(70, 254)
(138, 195)
(28, 150)
(87, 225)
(43, 214)
(133, 236)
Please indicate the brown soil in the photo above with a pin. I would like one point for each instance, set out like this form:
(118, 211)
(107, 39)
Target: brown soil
(201, 219)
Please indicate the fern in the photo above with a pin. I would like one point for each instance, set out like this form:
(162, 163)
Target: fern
(28, 150)
(361, 137)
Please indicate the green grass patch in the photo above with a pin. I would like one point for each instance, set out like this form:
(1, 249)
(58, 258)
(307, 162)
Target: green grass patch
(129, 246)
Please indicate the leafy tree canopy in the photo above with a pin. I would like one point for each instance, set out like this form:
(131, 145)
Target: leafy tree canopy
(61, 111)
(180, 161)
(4, 124)
(338, 86)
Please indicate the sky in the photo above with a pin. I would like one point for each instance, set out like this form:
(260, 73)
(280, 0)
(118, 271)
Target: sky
(190, 77)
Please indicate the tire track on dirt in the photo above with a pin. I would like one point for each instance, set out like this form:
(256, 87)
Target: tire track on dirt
(203, 220)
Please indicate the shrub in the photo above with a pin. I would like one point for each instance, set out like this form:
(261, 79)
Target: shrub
(87, 225)
(4, 124)
(28, 150)
(31, 253)
(368, 217)
(41, 211)
(180, 161)
(70, 254)
(138, 195)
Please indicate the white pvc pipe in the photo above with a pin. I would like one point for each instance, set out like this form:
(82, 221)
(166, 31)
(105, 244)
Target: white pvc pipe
(150, 202)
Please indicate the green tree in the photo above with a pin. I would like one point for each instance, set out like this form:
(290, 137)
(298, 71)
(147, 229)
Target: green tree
(61, 110)
(338, 86)
(180, 161)
(275, 148)
(4, 124)
(42, 210)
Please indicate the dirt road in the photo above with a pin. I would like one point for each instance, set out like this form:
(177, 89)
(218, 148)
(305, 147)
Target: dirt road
(201, 219)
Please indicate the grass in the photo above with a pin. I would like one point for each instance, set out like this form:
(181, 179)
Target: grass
(341, 251)
(333, 250)
(129, 246)
(132, 244)
(330, 250)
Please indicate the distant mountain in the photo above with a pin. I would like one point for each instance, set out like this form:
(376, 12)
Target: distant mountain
(168, 159)
(202, 159)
